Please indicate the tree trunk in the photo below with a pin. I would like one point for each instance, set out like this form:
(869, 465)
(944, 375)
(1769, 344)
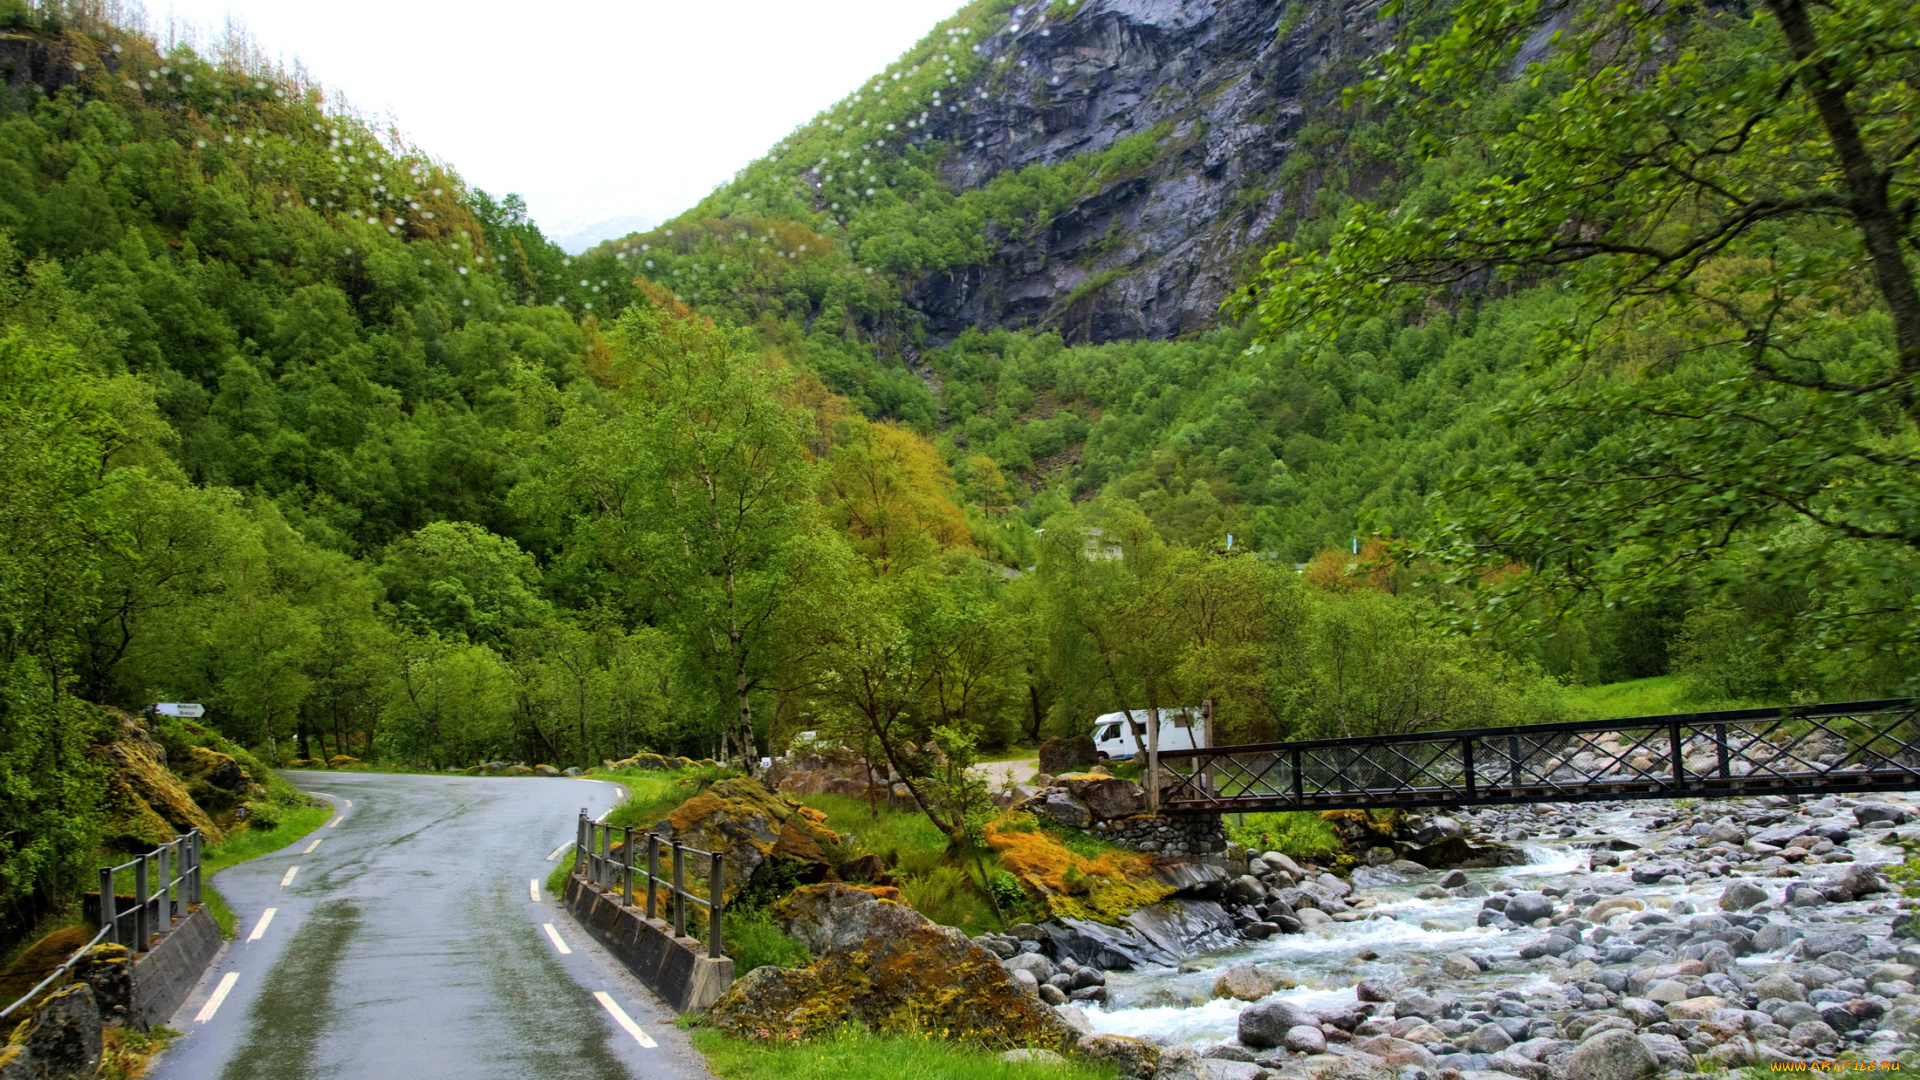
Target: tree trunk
(1874, 215)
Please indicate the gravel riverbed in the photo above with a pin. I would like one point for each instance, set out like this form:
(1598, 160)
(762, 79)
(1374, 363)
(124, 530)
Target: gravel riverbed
(1639, 939)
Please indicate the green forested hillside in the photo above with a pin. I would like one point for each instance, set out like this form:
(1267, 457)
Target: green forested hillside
(296, 424)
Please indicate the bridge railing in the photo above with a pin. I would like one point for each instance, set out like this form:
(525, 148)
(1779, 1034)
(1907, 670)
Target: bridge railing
(600, 861)
(1855, 746)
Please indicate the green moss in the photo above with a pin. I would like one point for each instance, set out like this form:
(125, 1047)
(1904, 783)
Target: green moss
(1296, 834)
(853, 1052)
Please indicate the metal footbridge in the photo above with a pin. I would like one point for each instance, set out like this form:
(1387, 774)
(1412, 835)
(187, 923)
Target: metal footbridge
(1851, 748)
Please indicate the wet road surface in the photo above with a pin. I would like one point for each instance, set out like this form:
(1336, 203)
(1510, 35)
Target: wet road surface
(407, 944)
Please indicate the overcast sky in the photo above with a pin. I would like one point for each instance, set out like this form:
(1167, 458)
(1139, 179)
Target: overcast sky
(595, 110)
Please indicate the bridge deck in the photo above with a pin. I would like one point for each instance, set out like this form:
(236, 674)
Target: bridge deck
(1807, 750)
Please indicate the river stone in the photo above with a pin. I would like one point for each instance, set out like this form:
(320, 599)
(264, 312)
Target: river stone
(1035, 964)
(1181, 1062)
(1304, 1039)
(1641, 1011)
(1775, 936)
(1074, 1017)
(1244, 982)
(1398, 1053)
(1525, 907)
(1860, 880)
(1778, 985)
(1871, 812)
(1024, 980)
(1812, 1033)
(1611, 906)
(1794, 1013)
(1283, 863)
(1226, 1069)
(1134, 1058)
(1375, 990)
(1488, 1039)
(1612, 1055)
(1698, 1008)
(1265, 1025)
(1669, 1052)
(1425, 1034)
(1460, 966)
(1742, 895)
(1053, 995)
(1667, 991)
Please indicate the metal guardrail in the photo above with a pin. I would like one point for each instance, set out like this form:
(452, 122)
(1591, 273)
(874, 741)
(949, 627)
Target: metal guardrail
(595, 861)
(165, 881)
(1815, 749)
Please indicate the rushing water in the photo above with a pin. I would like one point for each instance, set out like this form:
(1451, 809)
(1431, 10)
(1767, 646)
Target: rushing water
(1404, 935)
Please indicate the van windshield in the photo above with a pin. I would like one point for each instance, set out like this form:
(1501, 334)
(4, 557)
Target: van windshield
(1111, 731)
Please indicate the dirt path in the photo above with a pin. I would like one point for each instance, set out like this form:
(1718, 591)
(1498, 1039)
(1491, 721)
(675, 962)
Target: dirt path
(1001, 773)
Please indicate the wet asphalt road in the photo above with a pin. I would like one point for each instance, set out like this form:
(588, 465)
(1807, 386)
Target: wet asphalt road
(408, 946)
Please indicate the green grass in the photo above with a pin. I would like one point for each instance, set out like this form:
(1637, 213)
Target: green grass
(1656, 696)
(557, 880)
(916, 850)
(244, 844)
(652, 795)
(1298, 834)
(1011, 753)
(854, 1053)
(753, 940)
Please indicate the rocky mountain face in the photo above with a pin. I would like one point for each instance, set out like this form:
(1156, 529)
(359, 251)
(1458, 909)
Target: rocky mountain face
(1151, 255)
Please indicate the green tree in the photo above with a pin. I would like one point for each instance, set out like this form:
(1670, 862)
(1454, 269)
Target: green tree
(1724, 193)
(458, 578)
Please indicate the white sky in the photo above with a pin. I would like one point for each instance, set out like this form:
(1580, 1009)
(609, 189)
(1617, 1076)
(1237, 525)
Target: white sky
(591, 109)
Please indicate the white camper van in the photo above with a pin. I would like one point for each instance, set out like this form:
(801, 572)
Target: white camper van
(1121, 735)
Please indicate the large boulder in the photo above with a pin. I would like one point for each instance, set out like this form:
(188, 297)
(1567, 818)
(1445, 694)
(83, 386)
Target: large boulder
(1265, 1025)
(1135, 1059)
(1067, 755)
(1612, 1055)
(1111, 798)
(1244, 982)
(62, 1040)
(1458, 851)
(750, 827)
(146, 804)
(1062, 807)
(884, 966)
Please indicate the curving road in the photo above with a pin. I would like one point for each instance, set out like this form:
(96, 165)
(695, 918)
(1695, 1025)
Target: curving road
(408, 944)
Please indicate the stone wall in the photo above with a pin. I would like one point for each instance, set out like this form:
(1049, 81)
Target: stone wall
(1158, 833)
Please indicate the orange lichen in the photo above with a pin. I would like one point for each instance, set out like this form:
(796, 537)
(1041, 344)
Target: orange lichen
(1105, 889)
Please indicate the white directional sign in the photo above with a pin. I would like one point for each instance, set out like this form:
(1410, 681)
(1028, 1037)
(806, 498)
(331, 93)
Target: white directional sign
(171, 708)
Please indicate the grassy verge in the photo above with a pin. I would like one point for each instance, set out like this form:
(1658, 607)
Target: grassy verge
(1298, 834)
(1656, 696)
(854, 1053)
(1011, 753)
(916, 853)
(125, 1053)
(244, 844)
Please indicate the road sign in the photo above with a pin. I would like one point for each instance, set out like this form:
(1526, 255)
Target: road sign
(170, 708)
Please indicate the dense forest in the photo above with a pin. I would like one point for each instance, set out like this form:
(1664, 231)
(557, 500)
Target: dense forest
(295, 423)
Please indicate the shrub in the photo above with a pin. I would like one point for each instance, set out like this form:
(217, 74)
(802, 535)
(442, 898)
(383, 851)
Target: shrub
(1298, 834)
(754, 940)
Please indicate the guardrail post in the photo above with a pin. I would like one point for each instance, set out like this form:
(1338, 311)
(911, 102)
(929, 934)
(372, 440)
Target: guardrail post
(626, 867)
(199, 869)
(679, 892)
(580, 844)
(717, 881)
(109, 910)
(163, 909)
(653, 870)
(141, 918)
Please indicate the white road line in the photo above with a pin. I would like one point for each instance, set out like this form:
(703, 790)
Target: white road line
(602, 819)
(312, 846)
(336, 821)
(288, 880)
(219, 995)
(533, 889)
(620, 1017)
(349, 803)
(260, 928)
(554, 936)
(557, 851)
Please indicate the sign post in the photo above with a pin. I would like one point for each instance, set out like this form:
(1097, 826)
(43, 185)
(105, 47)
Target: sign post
(175, 708)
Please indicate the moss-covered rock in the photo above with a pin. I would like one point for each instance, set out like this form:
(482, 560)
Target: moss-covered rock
(343, 761)
(646, 762)
(885, 966)
(750, 826)
(146, 803)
